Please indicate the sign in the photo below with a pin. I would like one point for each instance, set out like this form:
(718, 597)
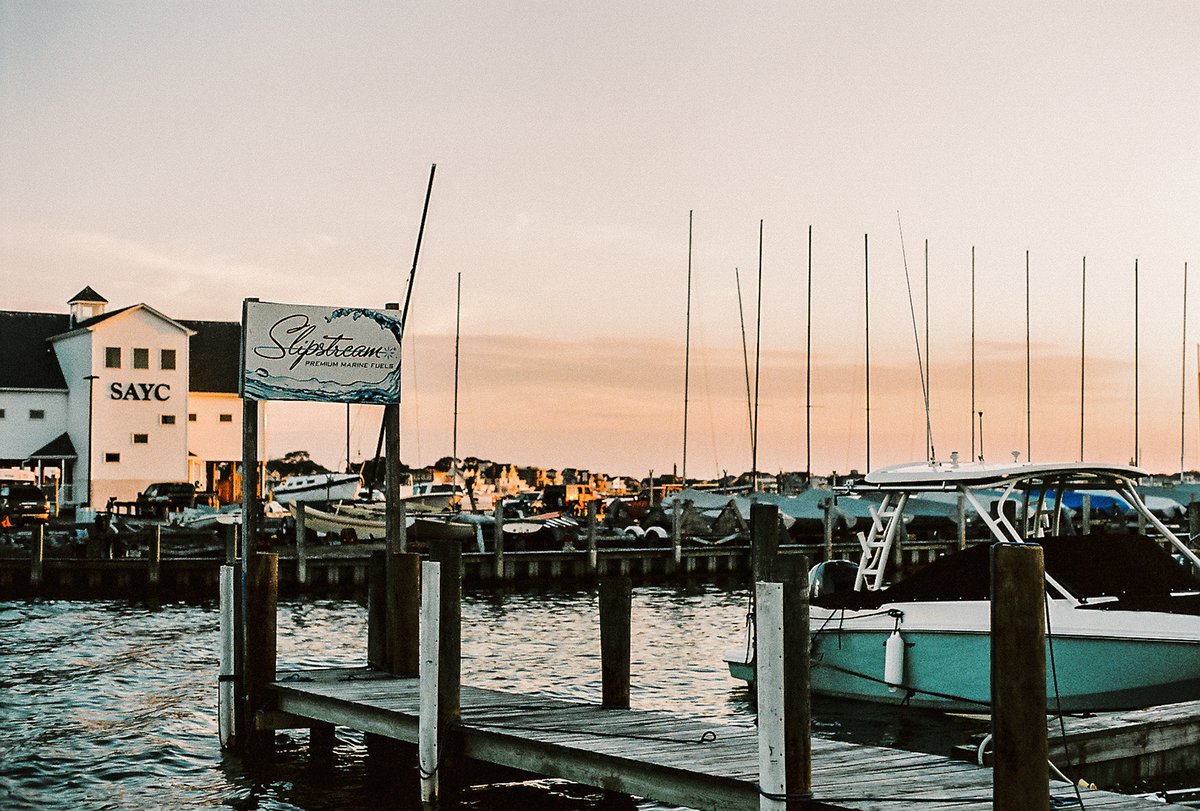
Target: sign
(140, 391)
(323, 354)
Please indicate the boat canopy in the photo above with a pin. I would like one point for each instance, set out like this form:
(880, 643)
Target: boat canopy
(918, 476)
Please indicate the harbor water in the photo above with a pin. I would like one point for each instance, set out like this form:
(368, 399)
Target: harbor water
(112, 705)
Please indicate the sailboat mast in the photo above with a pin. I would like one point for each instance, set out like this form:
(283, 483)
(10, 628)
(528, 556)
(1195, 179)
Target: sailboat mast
(687, 348)
(1082, 351)
(1028, 377)
(867, 338)
(972, 353)
(757, 365)
(808, 369)
(745, 360)
(1137, 387)
(928, 380)
(454, 433)
(1183, 378)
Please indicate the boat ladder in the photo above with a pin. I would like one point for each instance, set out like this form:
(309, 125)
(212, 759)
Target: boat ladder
(877, 543)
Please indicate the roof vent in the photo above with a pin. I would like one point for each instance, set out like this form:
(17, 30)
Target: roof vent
(85, 304)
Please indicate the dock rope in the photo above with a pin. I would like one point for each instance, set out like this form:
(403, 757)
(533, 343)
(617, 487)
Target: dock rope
(1057, 698)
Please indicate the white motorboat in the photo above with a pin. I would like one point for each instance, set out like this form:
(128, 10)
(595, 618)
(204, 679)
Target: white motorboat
(318, 487)
(1123, 611)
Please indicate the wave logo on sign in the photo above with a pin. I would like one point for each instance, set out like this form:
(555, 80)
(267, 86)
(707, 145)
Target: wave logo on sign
(342, 355)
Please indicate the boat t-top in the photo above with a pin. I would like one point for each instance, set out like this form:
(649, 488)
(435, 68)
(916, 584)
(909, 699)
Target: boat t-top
(1123, 610)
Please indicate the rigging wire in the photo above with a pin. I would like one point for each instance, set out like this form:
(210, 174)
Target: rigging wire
(917, 341)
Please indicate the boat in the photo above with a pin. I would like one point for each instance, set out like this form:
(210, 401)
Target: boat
(317, 487)
(324, 522)
(433, 497)
(1123, 610)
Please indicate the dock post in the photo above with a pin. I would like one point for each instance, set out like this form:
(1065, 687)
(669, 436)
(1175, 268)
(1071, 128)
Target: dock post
(782, 682)
(1087, 515)
(301, 546)
(154, 564)
(428, 731)
(262, 587)
(616, 601)
(764, 539)
(449, 554)
(37, 550)
(592, 562)
(225, 677)
(232, 552)
(1020, 774)
(677, 534)
(377, 606)
(827, 525)
(402, 600)
(1193, 518)
(498, 539)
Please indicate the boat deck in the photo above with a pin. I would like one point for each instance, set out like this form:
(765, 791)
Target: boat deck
(697, 763)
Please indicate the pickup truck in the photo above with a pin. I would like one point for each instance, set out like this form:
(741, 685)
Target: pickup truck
(162, 497)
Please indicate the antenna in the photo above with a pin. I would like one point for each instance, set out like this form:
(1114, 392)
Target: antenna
(917, 341)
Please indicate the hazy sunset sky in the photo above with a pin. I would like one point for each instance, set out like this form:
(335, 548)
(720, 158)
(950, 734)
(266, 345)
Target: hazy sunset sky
(187, 155)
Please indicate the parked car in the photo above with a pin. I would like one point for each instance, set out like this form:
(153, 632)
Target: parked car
(22, 504)
(163, 497)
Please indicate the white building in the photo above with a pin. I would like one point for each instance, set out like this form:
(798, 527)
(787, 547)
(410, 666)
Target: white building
(113, 401)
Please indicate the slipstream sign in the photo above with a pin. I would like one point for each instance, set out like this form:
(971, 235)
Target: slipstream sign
(332, 355)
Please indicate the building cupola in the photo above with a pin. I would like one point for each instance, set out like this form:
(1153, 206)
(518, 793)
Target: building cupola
(85, 304)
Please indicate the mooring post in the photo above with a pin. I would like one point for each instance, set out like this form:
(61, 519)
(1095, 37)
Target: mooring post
(782, 682)
(428, 732)
(1087, 514)
(592, 558)
(498, 539)
(301, 546)
(262, 587)
(764, 539)
(1020, 776)
(226, 694)
(616, 603)
(449, 554)
(677, 534)
(37, 549)
(403, 600)
(154, 563)
(1193, 516)
(377, 610)
(827, 525)
(232, 552)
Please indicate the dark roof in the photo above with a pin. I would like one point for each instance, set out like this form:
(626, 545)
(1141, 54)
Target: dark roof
(215, 364)
(87, 294)
(60, 447)
(91, 322)
(28, 360)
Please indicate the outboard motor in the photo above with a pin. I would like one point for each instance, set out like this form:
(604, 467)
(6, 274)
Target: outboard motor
(831, 577)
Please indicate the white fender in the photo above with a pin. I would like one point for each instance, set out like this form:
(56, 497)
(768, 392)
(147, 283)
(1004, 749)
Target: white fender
(893, 661)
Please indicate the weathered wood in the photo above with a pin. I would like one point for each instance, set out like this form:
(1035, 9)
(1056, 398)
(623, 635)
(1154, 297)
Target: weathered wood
(592, 559)
(262, 594)
(616, 603)
(226, 694)
(321, 738)
(676, 533)
(764, 539)
(377, 610)
(498, 540)
(1087, 514)
(1019, 677)
(37, 551)
(301, 546)
(429, 731)
(154, 557)
(827, 514)
(449, 554)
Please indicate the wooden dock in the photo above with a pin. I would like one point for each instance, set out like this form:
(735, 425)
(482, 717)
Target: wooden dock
(696, 763)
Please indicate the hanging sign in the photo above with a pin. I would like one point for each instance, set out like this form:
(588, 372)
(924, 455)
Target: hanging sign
(323, 354)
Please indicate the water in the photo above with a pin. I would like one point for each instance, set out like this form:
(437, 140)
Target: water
(112, 705)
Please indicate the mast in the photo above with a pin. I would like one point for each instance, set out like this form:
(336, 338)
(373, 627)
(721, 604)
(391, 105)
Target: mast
(1183, 378)
(347, 437)
(1082, 351)
(808, 369)
(454, 434)
(757, 350)
(867, 340)
(928, 381)
(973, 353)
(687, 348)
(745, 360)
(1137, 388)
(1028, 379)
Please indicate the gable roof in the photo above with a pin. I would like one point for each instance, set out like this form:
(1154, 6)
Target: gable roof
(60, 447)
(28, 361)
(88, 323)
(89, 296)
(214, 365)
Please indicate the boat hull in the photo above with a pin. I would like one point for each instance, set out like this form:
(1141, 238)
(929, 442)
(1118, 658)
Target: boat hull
(1090, 665)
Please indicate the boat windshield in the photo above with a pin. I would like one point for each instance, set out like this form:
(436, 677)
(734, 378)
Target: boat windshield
(1131, 568)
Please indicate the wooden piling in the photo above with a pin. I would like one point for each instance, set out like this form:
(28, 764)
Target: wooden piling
(377, 610)
(1018, 609)
(232, 547)
(262, 596)
(403, 598)
(592, 558)
(676, 534)
(429, 729)
(449, 554)
(226, 692)
(827, 525)
(321, 739)
(782, 683)
(301, 546)
(616, 603)
(962, 521)
(764, 539)
(498, 539)
(154, 561)
(37, 550)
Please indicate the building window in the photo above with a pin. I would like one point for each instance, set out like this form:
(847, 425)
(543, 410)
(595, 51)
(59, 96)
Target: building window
(166, 359)
(226, 418)
(141, 358)
(1, 413)
(112, 357)
(191, 417)
(112, 457)
(37, 414)
(141, 439)
(167, 419)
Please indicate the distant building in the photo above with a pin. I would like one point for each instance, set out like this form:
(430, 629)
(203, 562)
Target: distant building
(104, 403)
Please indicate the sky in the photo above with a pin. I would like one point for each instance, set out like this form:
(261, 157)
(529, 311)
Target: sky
(191, 155)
